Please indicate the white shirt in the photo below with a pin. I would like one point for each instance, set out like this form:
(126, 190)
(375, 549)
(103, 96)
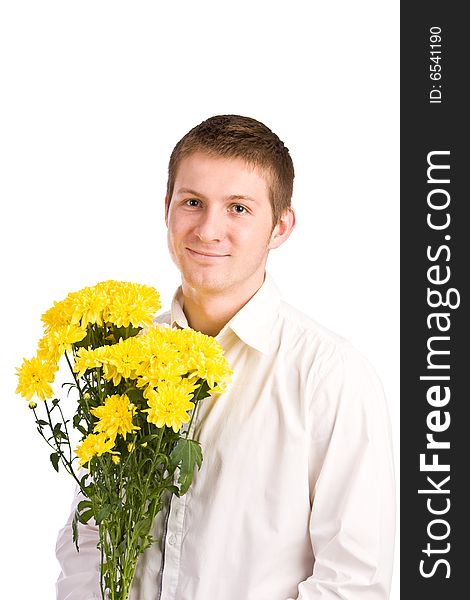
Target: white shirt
(295, 497)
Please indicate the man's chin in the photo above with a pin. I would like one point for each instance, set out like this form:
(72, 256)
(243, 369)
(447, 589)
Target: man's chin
(208, 284)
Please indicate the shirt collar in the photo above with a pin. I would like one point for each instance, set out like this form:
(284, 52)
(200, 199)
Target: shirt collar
(253, 323)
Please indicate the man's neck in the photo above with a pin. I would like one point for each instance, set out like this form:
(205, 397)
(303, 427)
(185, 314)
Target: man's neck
(210, 312)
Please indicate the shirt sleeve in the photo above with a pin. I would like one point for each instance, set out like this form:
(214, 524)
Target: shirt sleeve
(79, 578)
(352, 523)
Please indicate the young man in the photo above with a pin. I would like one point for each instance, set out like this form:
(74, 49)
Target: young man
(295, 498)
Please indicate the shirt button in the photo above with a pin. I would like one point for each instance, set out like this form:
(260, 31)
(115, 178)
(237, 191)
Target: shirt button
(172, 540)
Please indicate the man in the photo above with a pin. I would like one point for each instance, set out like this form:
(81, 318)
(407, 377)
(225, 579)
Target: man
(295, 498)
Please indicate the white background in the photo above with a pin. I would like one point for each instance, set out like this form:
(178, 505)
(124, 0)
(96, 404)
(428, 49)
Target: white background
(94, 95)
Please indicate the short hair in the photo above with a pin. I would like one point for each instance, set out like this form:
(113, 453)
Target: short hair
(235, 136)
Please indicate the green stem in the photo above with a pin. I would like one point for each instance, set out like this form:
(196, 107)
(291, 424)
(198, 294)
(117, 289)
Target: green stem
(102, 582)
(196, 403)
(67, 465)
(66, 432)
(132, 550)
(77, 382)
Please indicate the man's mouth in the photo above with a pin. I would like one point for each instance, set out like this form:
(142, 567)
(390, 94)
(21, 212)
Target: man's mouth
(202, 254)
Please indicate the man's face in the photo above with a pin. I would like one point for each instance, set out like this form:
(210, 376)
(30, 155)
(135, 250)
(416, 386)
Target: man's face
(219, 224)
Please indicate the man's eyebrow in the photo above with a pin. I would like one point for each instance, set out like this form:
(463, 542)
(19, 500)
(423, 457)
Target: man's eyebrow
(231, 197)
(190, 191)
(241, 197)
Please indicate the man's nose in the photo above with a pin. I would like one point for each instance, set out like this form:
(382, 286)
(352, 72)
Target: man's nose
(211, 225)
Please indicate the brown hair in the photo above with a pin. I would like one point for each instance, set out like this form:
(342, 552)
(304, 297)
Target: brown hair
(234, 136)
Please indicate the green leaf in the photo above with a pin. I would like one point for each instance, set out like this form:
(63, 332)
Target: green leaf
(77, 424)
(55, 458)
(122, 548)
(42, 423)
(142, 528)
(83, 504)
(82, 430)
(103, 513)
(75, 530)
(125, 332)
(186, 455)
(202, 392)
(85, 516)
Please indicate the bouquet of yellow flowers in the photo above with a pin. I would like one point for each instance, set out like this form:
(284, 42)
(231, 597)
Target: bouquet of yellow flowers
(137, 386)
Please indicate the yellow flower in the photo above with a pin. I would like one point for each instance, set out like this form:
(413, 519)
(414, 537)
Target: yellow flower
(132, 304)
(160, 368)
(87, 359)
(59, 340)
(121, 359)
(115, 416)
(173, 353)
(169, 404)
(116, 459)
(119, 302)
(161, 359)
(205, 359)
(94, 445)
(59, 314)
(216, 372)
(35, 377)
(88, 306)
(111, 373)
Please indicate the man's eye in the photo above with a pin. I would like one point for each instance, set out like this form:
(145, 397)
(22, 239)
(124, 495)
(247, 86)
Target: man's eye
(192, 202)
(238, 208)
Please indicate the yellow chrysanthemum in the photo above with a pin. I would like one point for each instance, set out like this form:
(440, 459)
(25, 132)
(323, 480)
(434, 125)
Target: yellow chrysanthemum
(217, 373)
(35, 377)
(132, 304)
(122, 359)
(169, 404)
(173, 353)
(119, 302)
(87, 359)
(154, 337)
(89, 304)
(162, 360)
(151, 372)
(94, 445)
(59, 314)
(204, 358)
(59, 340)
(115, 416)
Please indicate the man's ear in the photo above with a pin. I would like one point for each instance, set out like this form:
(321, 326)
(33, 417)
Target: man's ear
(167, 208)
(283, 228)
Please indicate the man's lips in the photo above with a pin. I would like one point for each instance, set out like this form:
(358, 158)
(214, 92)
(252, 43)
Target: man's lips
(201, 254)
